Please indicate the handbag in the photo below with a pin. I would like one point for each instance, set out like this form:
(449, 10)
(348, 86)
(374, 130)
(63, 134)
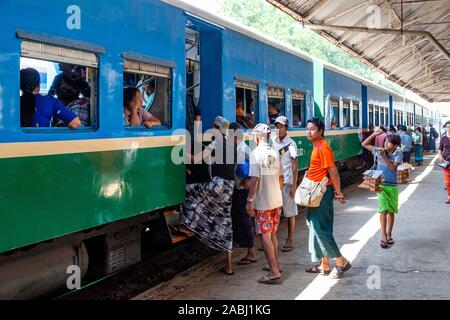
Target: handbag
(310, 193)
(445, 165)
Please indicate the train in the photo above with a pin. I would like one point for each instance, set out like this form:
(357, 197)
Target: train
(95, 197)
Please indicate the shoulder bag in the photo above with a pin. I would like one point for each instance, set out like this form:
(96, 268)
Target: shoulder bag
(310, 193)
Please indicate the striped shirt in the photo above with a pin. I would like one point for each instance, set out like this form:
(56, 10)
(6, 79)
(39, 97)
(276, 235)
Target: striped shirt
(444, 146)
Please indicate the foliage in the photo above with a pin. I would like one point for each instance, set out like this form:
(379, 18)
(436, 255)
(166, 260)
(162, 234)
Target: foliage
(263, 17)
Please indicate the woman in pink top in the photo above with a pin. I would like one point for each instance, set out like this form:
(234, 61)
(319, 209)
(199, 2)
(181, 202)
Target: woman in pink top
(133, 113)
(379, 140)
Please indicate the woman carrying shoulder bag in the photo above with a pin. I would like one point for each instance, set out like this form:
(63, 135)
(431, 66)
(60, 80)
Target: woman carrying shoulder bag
(322, 245)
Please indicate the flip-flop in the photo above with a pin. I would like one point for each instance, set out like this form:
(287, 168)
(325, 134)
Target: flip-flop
(267, 280)
(338, 271)
(287, 248)
(390, 242)
(245, 261)
(225, 272)
(317, 269)
(260, 249)
(384, 245)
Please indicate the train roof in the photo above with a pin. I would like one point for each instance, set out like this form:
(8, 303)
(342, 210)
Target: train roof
(254, 34)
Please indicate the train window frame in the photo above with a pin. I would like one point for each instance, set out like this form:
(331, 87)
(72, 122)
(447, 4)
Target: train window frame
(299, 95)
(335, 102)
(40, 52)
(251, 86)
(371, 118)
(377, 113)
(276, 92)
(144, 67)
(346, 104)
(355, 105)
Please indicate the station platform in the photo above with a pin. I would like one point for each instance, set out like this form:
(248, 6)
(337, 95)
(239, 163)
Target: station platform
(417, 266)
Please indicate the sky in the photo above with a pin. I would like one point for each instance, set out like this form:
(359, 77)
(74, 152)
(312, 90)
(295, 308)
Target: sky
(213, 6)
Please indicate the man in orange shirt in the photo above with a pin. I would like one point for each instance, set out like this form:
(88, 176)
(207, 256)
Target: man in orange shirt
(322, 245)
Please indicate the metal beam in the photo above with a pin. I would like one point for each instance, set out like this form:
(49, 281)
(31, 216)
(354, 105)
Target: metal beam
(426, 34)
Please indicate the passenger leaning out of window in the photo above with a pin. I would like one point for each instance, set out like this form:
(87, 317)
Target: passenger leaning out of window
(133, 113)
(37, 110)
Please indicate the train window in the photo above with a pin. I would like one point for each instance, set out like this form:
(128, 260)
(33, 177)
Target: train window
(346, 113)
(377, 116)
(356, 113)
(370, 115)
(298, 109)
(147, 87)
(335, 113)
(247, 110)
(386, 116)
(57, 85)
(276, 103)
(382, 119)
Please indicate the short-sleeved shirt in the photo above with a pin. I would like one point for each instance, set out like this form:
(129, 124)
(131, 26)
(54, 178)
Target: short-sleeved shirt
(444, 146)
(243, 161)
(48, 108)
(406, 141)
(143, 115)
(287, 151)
(322, 159)
(379, 140)
(389, 176)
(265, 165)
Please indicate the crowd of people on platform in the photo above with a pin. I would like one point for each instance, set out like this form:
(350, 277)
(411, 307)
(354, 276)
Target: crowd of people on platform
(250, 194)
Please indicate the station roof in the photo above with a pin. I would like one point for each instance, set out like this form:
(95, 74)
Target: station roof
(406, 40)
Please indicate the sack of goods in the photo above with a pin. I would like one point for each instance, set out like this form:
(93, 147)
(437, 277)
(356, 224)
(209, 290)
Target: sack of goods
(372, 180)
(310, 193)
(403, 172)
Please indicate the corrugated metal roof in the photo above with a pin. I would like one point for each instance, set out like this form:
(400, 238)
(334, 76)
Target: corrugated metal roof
(417, 59)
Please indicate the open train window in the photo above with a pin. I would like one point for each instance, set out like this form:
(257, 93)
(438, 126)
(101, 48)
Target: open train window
(346, 113)
(355, 113)
(377, 116)
(298, 109)
(335, 113)
(371, 115)
(247, 110)
(382, 113)
(276, 103)
(148, 90)
(58, 85)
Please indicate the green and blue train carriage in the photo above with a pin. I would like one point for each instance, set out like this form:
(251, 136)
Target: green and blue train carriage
(57, 184)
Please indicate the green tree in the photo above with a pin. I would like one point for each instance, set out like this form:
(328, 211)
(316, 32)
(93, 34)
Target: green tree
(263, 17)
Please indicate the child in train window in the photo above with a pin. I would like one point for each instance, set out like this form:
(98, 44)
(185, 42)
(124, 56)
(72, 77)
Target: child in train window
(133, 113)
(37, 110)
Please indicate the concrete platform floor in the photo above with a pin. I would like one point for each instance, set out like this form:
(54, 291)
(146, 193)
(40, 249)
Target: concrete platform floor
(416, 267)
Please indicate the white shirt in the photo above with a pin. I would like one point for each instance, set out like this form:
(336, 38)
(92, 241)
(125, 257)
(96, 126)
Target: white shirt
(265, 165)
(287, 150)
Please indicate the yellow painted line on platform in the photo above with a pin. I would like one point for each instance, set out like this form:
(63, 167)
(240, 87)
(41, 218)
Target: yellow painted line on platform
(321, 285)
(45, 148)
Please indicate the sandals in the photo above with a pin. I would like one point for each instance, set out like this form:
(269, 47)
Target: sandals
(390, 241)
(384, 245)
(267, 280)
(287, 248)
(317, 269)
(338, 271)
(246, 261)
(224, 271)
